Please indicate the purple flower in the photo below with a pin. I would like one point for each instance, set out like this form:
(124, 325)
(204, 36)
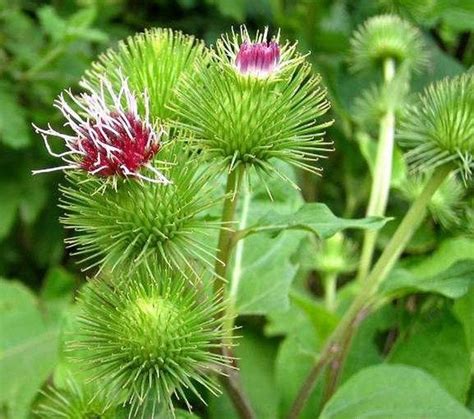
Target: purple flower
(258, 58)
(109, 137)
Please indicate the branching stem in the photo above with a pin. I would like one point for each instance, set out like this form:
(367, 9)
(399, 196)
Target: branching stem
(231, 381)
(381, 178)
(339, 342)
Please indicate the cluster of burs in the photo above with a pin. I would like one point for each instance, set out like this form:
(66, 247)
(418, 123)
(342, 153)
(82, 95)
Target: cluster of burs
(162, 122)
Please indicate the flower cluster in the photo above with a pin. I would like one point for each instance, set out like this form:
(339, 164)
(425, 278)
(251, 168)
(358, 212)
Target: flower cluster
(258, 59)
(109, 137)
(149, 336)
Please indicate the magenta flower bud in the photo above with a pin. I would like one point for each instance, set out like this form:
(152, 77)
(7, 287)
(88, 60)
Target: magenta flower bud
(258, 58)
(109, 137)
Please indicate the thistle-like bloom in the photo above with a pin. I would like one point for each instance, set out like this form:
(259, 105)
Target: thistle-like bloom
(144, 223)
(440, 128)
(149, 336)
(109, 137)
(387, 37)
(257, 101)
(258, 57)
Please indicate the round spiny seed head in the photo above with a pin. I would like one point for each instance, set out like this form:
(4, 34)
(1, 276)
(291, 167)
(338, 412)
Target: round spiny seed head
(446, 205)
(149, 336)
(440, 128)
(387, 37)
(257, 101)
(143, 222)
(109, 136)
(154, 61)
(74, 401)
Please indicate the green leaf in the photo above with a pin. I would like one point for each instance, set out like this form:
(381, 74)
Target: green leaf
(232, 8)
(452, 283)
(464, 311)
(261, 277)
(393, 391)
(8, 207)
(256, 361)
(28, 348)
(266, 274)
(14, 129)
(438, 346)
(314, 218)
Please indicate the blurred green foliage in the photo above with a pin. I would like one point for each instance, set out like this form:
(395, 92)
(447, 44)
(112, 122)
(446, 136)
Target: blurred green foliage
(45, 46)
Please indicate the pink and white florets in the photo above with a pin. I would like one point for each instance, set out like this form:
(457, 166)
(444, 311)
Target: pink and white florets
(261, 57)
(109, 136)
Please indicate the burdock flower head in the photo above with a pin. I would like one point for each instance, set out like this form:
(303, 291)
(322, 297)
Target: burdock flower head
(109, 137)
(440, 128)
(150, 337)
(258, 100)
(387, 37)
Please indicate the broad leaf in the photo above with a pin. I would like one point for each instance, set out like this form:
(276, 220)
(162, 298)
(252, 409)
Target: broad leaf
(256, 361)
(314, 218)
(439, 347)
(14, 129)
(28, 348)
(393, 391)
(453, 282)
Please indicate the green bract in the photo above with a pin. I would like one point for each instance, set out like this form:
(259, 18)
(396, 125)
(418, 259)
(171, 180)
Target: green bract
(387, 37)
(446, 204)
(440, 128)
(247, 120)
(74, 402)
(142, 222)
(153, 62)
(149, 336)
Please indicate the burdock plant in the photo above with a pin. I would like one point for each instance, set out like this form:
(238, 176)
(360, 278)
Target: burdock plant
(392, 47)
(439, 132)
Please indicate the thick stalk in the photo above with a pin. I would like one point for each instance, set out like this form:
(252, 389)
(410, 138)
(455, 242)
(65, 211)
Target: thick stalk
(231, 381)
(226, 233)
(330, 286)
(381, 178)
(338, 343)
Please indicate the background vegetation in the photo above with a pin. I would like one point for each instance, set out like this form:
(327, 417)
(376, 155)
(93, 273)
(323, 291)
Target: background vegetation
(46, 46)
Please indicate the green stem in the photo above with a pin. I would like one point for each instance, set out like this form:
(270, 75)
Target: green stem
(381, 177)
(330, 286)
(338, 343)
(225, 236)
(231, 380)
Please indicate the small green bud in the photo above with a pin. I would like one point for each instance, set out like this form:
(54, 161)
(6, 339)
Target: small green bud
(440, 128)
(143, 223)
(75, 401)
(257, 101)
(153, 62)
(445, 205)
(387, 37)
(149, 336)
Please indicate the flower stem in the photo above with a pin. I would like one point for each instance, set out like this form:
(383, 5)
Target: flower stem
(225, 236)
(381, 177)
(339, 343)
(231, 381)
(330, 286)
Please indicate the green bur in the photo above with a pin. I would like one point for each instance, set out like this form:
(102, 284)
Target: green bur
(142, 223)
(147, 337)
